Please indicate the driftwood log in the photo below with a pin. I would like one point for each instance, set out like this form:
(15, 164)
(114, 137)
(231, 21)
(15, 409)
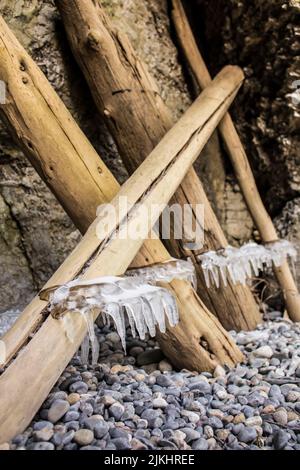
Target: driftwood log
(69, 165)
(129, 101)
(44, 358)
(238, 158)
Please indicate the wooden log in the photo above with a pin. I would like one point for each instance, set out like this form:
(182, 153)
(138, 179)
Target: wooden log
(66, 161)
(137, 118)
(239, 160)
(44, 358)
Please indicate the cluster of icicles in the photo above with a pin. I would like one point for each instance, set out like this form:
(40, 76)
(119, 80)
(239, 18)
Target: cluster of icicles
(240, 263)
(135, 295)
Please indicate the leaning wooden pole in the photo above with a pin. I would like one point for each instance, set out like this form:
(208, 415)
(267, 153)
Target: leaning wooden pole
(42, 361)
(238, 159)
(137, 118)
(68, 163)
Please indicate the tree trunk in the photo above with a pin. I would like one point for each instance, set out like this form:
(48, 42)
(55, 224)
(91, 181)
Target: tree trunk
(44, 358)
(137, 118)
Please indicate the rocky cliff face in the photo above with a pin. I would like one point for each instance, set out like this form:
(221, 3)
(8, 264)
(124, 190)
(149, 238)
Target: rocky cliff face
(35, 233)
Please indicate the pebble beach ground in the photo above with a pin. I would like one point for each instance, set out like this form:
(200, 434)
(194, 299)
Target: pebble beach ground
(139, 402)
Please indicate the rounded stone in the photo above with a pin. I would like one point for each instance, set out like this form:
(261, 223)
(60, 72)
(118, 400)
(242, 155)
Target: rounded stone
(43, 446)
(165, 366)
(159, 403)
(247, 434)
(57, 410)
(73, 398)
(200, 444)
(280, 416)
(280, 439)
(116, 410)
(83, 437)
(264, 352)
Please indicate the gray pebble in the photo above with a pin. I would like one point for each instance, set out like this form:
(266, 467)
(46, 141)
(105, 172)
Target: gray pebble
(57, 410)
(200, 444)
(247, 434)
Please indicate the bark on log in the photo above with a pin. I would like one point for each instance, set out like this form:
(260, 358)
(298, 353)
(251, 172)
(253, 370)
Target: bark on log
(44, 358)
(137, 118)
(239, 160)
(65, 159)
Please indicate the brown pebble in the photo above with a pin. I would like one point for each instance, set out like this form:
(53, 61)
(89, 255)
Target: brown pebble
(73, 398)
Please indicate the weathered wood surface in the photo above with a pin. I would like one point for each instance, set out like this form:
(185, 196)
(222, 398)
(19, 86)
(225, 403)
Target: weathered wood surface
(44, 358)
(137, 118)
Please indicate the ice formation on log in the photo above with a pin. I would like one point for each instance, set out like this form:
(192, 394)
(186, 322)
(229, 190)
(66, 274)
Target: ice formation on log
(167, 272)
(240, 263)
(145, 305)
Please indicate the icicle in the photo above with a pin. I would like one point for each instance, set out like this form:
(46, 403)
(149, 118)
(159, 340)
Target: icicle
(115, 312)
(170, 307)
(85, 347)
(89, 318)
(239, 263)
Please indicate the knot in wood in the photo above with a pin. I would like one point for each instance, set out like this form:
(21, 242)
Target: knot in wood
(93, 39)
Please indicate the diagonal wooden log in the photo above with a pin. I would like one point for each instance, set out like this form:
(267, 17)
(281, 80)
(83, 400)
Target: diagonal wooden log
(43, 359)
(239, 160)
(65, 159)
(137, 118)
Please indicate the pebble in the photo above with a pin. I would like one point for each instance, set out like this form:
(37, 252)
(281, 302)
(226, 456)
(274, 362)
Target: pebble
(83, 437)
(116, 410)
(73, 398)
(247, 434)
(165, 366)
(79, 387)
(200, 444)
(190, 434)
(43, 446)
(254, 421)
(263, 351)
(113, 337)
(121, 443)
(280, 416)
(57, 410)
(190, 415)
(149, 357)
(163, 380)
(43, 434)
(159, 403)
(280, 439)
